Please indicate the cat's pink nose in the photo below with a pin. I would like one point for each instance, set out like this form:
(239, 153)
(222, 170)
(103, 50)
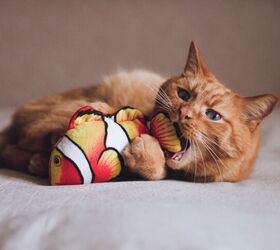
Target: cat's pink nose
(186, 113)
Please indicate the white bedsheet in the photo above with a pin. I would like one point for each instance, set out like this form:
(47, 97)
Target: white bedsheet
(146, 215)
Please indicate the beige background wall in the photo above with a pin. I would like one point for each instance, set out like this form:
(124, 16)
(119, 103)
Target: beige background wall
(48, 46)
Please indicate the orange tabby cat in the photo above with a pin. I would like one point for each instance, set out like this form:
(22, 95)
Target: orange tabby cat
(220, 127)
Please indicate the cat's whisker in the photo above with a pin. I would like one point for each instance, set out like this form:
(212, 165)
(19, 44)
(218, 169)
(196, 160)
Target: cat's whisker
(197, 146)
(194, 157)
(187, 169)
(202, 158)
(159, 92)
(214, 157)
(163, 106)
(195, 164)
(152, 88)
(219, 165)
(219, 158)
(164, 94)
(161, 95)
(208, 139)
(159, 99)
(164, 102)
(211, 143)
(225, 166)
(204, 141)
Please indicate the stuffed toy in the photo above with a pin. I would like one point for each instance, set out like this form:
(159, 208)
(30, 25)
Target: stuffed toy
(168, 135)
(90, 151)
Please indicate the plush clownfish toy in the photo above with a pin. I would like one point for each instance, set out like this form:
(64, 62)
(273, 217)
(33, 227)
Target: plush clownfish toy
(90, 150)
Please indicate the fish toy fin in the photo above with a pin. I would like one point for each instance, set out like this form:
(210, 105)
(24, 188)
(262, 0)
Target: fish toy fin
(128, 114)
(132, 121)
(163, 129)
(85, 114)
(109, 165)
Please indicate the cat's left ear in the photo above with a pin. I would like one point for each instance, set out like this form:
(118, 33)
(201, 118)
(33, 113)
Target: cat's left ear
(195, 64)
(256, 108)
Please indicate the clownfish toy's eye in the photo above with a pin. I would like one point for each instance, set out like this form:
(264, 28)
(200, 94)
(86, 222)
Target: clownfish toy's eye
(57, 160)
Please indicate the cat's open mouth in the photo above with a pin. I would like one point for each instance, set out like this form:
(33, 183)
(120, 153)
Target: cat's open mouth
(185, 144)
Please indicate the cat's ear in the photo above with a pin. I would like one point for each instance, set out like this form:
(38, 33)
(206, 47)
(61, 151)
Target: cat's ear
(256, 108)
(195, 64)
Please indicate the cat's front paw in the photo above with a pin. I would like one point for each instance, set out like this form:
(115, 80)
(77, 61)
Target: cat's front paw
(38, 165)
(145, 157)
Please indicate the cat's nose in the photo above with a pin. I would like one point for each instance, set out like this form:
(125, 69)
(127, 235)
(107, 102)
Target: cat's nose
(186, 113)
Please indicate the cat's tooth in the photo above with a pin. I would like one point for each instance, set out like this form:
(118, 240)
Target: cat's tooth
(178, 156)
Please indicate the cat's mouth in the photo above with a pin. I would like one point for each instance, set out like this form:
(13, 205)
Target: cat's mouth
(185, 144)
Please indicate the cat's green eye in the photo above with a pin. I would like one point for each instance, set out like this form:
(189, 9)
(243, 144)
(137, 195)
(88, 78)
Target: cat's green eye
(213, 115)
(183, 94)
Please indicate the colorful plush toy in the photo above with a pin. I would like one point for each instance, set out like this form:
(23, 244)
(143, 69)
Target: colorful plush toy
(90, 150)
(168, 135)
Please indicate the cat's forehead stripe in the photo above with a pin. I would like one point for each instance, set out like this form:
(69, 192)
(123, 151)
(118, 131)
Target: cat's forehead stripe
(210, 90)
(215, 100)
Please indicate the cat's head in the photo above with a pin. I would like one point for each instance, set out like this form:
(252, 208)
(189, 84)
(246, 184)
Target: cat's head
(220, 125)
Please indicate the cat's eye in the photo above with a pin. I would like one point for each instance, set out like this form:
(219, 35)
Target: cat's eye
(183, 94)
(213, 115)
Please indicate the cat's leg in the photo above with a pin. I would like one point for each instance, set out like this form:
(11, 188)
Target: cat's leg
(15, 158)
(38, 164)
(37, 132)
(45, 128)
(145, 157)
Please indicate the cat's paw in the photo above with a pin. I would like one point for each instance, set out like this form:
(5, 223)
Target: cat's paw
(145, 157)
(38, 165)
(15, 158)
